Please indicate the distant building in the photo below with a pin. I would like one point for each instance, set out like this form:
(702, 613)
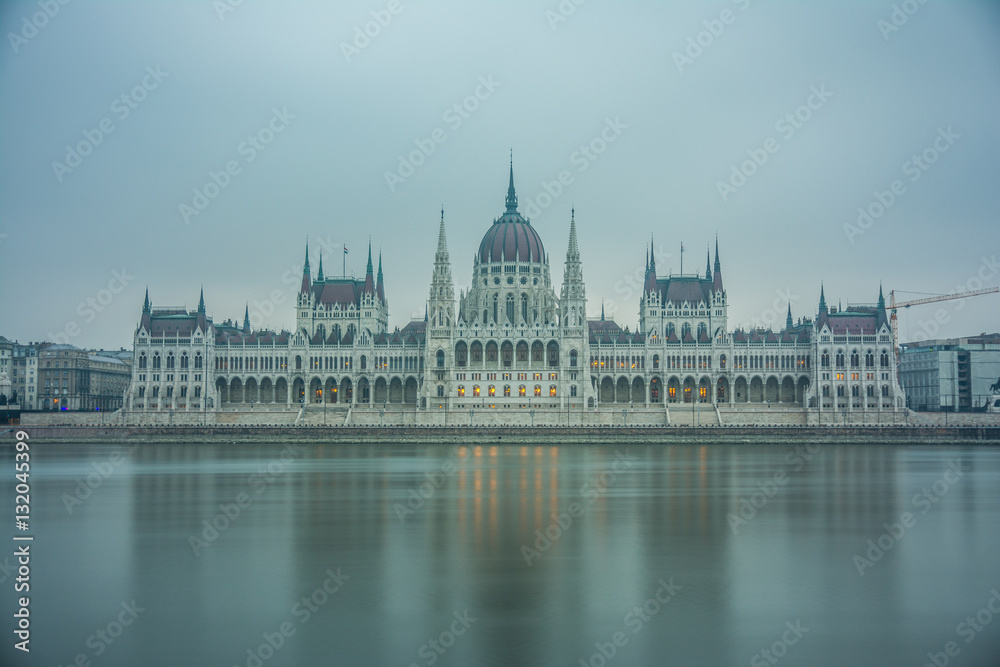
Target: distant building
(73, 379)
(513, 341)
(952, 375)
(20, 364)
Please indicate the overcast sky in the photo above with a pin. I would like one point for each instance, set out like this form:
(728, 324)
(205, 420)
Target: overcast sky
(665, 121)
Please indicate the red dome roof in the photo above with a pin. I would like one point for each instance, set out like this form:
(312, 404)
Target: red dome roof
(510, 239)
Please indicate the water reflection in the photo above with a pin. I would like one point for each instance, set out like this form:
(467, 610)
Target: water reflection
(548, 548)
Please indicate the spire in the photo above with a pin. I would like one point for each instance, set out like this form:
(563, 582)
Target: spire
(717, 279)
(602, 311)
(369, 272)
(788, 320)
(881, 298)
(708, 264)
(246, 320)
(379, 285)
(201, 302)
(306, 277)
(511, 194)
(652, 255)
(573, 252)
(822, 300)
(145, 304)
(319, 275)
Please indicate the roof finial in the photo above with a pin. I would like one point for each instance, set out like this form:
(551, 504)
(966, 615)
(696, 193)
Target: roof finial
(511, 194)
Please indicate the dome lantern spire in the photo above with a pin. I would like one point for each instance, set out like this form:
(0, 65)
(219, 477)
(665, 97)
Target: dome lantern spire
(511, 193)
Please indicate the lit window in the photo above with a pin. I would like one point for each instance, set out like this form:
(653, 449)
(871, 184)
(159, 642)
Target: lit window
(461, 392)
(475, 390)
(552, 390)
(522, 390)
(493, 391)
(538, 390)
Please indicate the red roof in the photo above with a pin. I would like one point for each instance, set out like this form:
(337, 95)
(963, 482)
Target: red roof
(511, 238)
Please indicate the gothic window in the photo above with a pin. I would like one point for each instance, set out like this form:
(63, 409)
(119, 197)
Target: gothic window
(826, 391)
(685, 329)
(461, 354)
(572, 358)
(825, 363)
(884, 360)
(170, 361)
(538, 390)
(142, 361)
(656, 362)
(507, 354)
(440, 358)
(510, 308)
(885, 390)
(840, 358)
(156, 362)
(522, 351)
(491, 352)
(142, 392)
(870, 390)
(524, 307)
(440, 391)
(553, 354)
(722, 362)
(854, 391)
(364, 362)
(477, 352)
(184, 361)
(869, 359)
(496, 303)
(198, 360)
(197, 392)
(855, 359)
(536, 351)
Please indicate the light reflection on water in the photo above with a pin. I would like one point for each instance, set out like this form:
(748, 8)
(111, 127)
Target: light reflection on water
(411, 563)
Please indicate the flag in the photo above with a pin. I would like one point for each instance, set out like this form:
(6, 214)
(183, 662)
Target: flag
(345, 249)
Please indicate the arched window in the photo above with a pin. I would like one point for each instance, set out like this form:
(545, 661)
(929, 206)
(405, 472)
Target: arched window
(170, 361)
(364, 362)
(477, 352)
(522, 351)
(869, 359)
(496, 303)
(475, 391)
(553, 354)
(524, 308)
(184, 361)
(825, 360)
(298, 362)
(522, 390)
(885, 390)
(510, 308)
(538, 390)
(884, 360)
(461, 354)
(870, 390)
(840, 391)
(840, 358)
(507, 354)
(722, 362)
(440, 358)
(142, 361)
(656, 362)
(506, 390)
(855, 359)
(572, 358)
(491, 352)
(198, 361)
(854, 391)
(156, 361)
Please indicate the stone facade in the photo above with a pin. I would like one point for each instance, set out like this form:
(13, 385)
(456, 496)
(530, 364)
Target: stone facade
(510, 344)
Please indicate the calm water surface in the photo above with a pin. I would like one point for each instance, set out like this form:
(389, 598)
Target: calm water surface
(419, 555)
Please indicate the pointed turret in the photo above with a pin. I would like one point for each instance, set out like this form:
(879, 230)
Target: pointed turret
(319, 274)
(708, 264)
(441, 299)
(306, 276)
(146, 309)
(717, 279)
(823, 310)
(650, 282)
(788, 319)
(602, 311)
(246, 319)
(881, 298)
(201, 302)
(369, 272)
(379, 286)
(511, 194)
(573, 299)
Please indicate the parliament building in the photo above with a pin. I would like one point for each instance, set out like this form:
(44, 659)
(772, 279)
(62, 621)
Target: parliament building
(511, 343)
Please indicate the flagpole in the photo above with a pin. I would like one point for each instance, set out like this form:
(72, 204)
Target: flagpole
(345, 261)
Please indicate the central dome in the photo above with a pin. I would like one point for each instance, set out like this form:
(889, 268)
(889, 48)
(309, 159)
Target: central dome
(511, 238)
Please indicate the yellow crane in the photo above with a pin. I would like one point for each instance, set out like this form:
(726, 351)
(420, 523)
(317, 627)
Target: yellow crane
(893, 305)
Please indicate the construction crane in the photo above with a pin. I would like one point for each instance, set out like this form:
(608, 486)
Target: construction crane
(893, 305)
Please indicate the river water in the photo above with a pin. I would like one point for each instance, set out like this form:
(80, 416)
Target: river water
(536, 555)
